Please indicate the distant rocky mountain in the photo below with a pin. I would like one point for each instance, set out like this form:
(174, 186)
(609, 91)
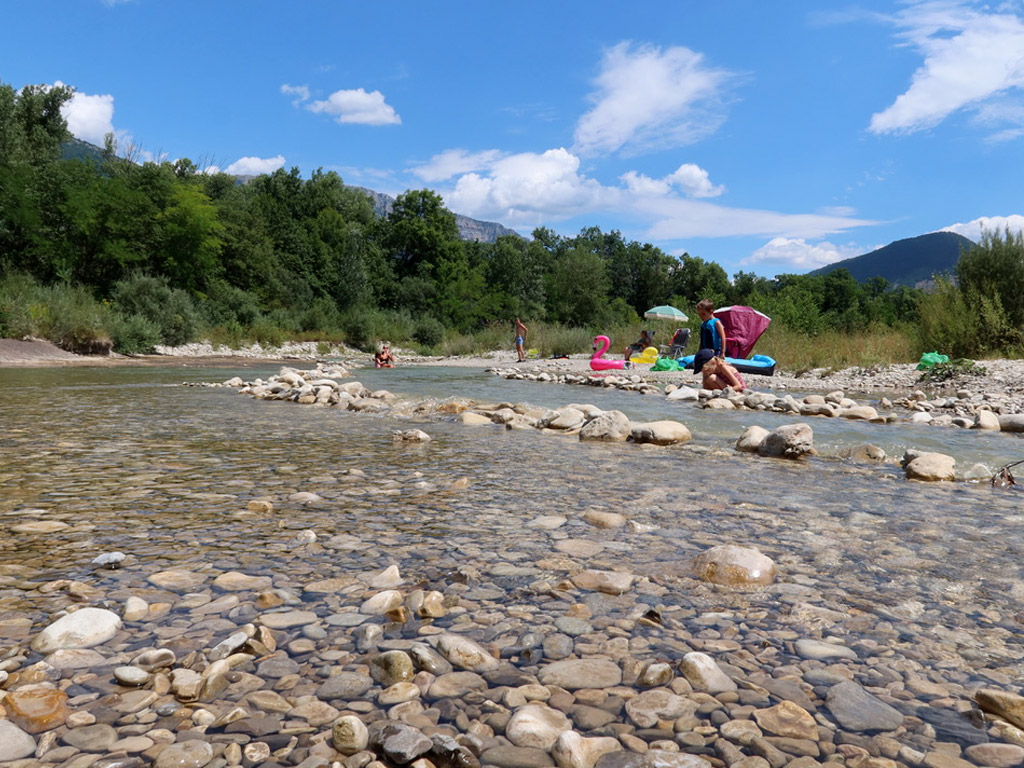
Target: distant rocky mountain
(469, 229)
(910, 262)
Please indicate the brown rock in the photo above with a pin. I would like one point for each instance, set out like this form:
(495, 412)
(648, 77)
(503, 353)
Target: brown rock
(36, 710)
(787, 719)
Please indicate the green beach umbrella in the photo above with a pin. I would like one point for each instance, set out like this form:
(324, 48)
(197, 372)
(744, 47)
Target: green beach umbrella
(664, 312)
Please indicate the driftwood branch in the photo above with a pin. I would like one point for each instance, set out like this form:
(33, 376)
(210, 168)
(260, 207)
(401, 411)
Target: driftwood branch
(1003, 478)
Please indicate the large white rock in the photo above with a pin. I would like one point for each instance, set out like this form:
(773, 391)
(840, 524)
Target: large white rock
(84, 628)
(931, 467)
(14, 742)
(704, 674)
(349, 735)
(574, 751)
(751, 439)
(734, 566)
(610, 426)
(663, 432)
(985, 419)
(790, 441)
(465, 653)
(536, 725)
(683, 393)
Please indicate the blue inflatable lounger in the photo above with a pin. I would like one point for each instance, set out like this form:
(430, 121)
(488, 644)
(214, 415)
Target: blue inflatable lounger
(760, 364)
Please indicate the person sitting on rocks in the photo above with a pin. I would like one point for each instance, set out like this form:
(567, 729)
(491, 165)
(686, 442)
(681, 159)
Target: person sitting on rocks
(384, 358)
(717, 373)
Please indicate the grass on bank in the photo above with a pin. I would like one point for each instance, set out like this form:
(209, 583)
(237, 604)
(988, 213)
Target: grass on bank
(144, 312)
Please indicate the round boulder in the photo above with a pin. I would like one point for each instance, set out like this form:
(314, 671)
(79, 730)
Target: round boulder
(931, 467)
(734, 566)
(661, 432)
(790, 441)
(610, 427)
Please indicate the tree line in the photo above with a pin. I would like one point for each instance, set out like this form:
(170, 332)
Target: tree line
(163, 252)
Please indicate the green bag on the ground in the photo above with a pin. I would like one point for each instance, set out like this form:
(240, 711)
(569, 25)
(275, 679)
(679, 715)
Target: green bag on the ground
(930, 360)
(666, 364)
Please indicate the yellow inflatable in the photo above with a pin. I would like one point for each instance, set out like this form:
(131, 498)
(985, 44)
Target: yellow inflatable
(648, 357)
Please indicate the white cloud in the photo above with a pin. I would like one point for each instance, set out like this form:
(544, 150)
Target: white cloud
(453, 162)
(300, 92)
(690, 179)
(969, 57)
(796, 253)
(650, 98)
(90, 118)
(972, 229)
(255, 166)
(694, 181)
(530, 189)
(357, 106)
(641, 184)
(675, 218)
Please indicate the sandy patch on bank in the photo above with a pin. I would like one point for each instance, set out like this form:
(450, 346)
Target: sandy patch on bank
(34, 351)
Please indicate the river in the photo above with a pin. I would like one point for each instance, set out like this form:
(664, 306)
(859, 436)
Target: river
(132, 461)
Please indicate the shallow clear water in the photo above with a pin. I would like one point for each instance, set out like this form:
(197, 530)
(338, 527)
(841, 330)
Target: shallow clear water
(134, 461)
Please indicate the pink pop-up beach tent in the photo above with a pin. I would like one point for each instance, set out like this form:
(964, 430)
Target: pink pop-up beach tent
(743, 327)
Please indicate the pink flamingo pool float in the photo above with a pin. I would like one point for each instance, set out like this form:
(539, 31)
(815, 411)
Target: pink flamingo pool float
(597, 362)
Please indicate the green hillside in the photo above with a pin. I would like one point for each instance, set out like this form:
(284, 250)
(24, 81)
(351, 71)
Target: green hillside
(906, 262)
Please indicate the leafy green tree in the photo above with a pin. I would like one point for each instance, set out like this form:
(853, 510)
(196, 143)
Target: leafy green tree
(31, 131)
(420, 233)
(109, 232)
(31, 124)
(695, 279)
(577, 290)
(515, 277)
(744, 285)
(188, 243)
(995, 269)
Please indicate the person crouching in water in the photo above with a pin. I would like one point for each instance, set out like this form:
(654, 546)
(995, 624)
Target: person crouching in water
(384, 358)
(717, 373)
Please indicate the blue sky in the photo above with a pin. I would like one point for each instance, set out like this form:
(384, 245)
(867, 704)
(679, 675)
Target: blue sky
(769, 137)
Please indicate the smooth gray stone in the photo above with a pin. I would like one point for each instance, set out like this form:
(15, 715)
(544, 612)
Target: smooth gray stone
(91, 738)
(857, 710)
(516, 757)
(347, 685)
(557, 646)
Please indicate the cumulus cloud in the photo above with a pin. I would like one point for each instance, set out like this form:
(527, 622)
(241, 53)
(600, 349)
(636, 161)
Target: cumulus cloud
(648, 98)
(970, 57)
(798, 254)
(453, 162)
(530, 189)
(90, 117)
(972, 229)
(690, 179)
(255, 166)
(358, 107)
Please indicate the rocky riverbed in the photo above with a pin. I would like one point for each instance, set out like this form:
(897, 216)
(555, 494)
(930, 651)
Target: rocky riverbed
(316, 586)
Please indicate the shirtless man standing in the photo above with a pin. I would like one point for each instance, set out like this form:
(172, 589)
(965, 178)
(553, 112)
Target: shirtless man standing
(520, 330)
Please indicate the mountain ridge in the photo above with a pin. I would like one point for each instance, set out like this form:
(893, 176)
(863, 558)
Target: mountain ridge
(911, 262)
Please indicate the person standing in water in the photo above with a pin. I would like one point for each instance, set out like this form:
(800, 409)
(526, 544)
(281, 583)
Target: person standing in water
(520, 331)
